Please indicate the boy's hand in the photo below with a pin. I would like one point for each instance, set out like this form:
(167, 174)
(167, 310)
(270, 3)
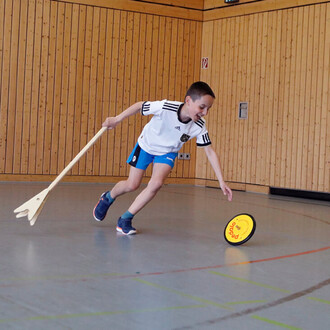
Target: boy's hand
(226, 191)
(110, 122)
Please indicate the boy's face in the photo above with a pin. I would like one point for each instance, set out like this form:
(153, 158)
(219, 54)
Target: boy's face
(200, 107)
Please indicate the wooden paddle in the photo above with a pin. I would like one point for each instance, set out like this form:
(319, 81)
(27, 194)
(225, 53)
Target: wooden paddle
(33, 207)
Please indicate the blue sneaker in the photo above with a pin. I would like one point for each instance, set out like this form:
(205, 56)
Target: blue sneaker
(124, 226)
(101, 208)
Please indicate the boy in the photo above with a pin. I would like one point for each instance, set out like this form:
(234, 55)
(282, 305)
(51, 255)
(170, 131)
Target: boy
(173, 123)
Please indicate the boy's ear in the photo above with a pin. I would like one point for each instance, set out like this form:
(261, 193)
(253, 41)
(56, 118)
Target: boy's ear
(187, 100)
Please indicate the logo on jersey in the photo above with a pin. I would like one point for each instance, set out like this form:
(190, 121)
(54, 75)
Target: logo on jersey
(178, 128)
(184, 137)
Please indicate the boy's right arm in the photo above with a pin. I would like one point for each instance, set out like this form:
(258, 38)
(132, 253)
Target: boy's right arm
(112, 122)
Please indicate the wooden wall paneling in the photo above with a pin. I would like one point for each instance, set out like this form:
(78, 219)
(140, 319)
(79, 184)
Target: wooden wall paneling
(194, 66)
(256, 96)
(70, 58)
(145, 8)
(107, 150)
(236, 159)
(178, 88)
(269, 93)
(201, 162)
(7, 10)
(114, 93)
(247, 124)
(12, 89)
(186, 53)
(211, 122)
(64, 91)
(261, 139)
(324, 168)
(154, 58)
(320, 17)
(20, 87)
(134, 82)
(2, 19)
(225, 90)
(160, 59)
(86, 86)
(93, 127)
(147, 74)
(318, 51)
(241, 162)
(292, 123)
(296, 104)
(234, 131)
(281, 88)
(34, 125)
(121, 131)
(301, 94)
(326, 103)
(220, 94)
(307, 104)
(173, 73)
(167, 49)
(127, 93)
(100, 79)
(310, 124)
(28, 89)
(140, 96)
(56, 150)
(250, 162)
(50, 89)
(287, 116)
(3, 117)
(79, 84)
(43, 87)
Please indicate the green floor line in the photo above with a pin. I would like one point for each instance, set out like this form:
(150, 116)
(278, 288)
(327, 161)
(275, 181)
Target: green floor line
(280, 324)
(75, 315)
(202, 300)
(250, 282)
(320, 300)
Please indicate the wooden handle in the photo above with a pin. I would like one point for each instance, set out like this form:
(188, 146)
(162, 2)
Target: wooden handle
(74, 160)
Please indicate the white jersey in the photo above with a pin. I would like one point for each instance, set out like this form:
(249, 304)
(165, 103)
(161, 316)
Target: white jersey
(165, 132)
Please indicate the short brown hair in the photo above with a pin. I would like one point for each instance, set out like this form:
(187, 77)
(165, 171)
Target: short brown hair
(199, 89)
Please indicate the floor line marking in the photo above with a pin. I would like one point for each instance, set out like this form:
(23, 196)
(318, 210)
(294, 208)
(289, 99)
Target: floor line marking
(120, 276)
(202, 300)
(75, 315)
(283, 325)
(319, 300)
(268, 305)
(250, 282)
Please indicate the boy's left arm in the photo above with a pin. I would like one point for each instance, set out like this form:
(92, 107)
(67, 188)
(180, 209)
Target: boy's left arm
(215, 163)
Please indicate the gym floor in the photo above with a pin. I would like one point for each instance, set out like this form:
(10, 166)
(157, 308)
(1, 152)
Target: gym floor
(70, 272)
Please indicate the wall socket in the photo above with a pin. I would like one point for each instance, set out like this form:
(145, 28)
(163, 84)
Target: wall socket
(184, 156)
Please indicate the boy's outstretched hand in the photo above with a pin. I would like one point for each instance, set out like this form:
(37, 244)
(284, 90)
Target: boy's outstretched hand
(226, 191)
(110, 122)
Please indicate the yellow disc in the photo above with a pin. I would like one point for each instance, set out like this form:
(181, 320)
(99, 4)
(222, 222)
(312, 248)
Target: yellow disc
(240, 229)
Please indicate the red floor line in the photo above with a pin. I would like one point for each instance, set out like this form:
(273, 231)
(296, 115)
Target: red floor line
(229, 265)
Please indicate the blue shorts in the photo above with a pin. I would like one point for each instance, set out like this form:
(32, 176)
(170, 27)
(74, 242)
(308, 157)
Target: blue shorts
(141, 159)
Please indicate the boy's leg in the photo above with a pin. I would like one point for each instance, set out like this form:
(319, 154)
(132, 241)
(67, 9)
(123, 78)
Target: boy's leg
(132, 183)
(159, 174)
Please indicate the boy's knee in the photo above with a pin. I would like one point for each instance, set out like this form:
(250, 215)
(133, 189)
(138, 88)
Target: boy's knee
(132, 185)
(155, 185)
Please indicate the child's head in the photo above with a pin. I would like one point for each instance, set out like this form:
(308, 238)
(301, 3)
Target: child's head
(199, 89)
